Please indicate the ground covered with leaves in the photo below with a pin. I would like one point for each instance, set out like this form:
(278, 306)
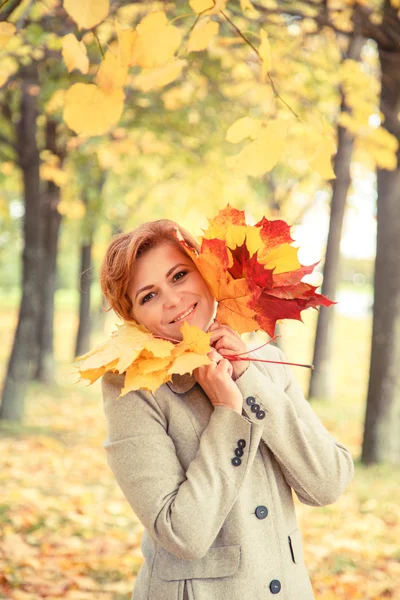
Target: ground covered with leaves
(67, 531)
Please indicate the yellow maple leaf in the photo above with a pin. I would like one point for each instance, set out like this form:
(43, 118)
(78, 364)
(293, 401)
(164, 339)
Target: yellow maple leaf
(7, 30)
(111, 75)
(156, 43)
(187, 362)
(74, 54)
(202, 35)
(126, 39)
(246, 5)
(265, 54)
(153, 79)
(242, 128)
(88, 110)
(87, 14)
(261, 156)
(283, 258)
(321, 161)
(207, 7)
(381, 146)
(94, 374)
(147, 361)
(194, 339)
(135, 379)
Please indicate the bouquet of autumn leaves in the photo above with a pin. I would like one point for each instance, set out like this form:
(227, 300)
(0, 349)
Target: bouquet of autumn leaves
(256, 278)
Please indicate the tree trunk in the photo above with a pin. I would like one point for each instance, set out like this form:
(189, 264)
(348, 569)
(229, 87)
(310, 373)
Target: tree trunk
(51, 221)
(382, 420)
(85, 280)
(322, 378)
(92, 181)
(25, 339)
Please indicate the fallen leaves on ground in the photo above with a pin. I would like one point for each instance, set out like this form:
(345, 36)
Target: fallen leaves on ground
(68, 532)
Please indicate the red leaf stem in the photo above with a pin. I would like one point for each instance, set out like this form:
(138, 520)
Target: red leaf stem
(235, 357)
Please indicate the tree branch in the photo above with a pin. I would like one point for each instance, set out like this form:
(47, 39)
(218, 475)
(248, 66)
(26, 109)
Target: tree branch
(7, 7)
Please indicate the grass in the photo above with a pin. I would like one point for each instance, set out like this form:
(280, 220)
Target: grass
(63, 512)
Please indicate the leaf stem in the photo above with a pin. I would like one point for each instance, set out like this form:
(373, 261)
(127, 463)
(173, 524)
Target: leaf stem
(258, 54)
(276, 362)
(98, 41)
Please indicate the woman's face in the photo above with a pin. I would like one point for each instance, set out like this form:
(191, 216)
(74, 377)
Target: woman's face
(173, 286)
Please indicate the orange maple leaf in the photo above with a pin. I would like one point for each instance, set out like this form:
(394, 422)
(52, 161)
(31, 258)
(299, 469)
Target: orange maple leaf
(253, 272)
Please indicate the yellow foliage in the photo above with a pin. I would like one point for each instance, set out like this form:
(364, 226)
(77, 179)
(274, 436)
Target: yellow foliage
(148, 361)
(202, 35)
(72, 210)
(177, 96)
(283, 258)
(261, 155)
(111, 75)
(74, 54)
(321, 161)
(207, 7)
(126, 40)
(246, 5)
(8, 66)
(7, 31)
(153, 79)
(90, 111)
(87, 14)
(265, 54)
(382, 147)
(50, 169)
(56, 102)
(242, 128)
(156, 43)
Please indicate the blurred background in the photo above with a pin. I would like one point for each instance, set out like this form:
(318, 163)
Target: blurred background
(329, 76)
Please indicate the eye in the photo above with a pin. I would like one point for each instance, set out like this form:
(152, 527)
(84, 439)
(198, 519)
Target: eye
(180, 273)
(143, 300)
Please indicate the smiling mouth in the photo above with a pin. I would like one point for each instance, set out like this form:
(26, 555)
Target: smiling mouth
(186, 314)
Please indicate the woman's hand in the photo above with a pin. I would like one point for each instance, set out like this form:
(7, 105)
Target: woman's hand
(216, 381)
(227, 341)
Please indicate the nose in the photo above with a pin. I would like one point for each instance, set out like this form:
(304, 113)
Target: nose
(172, 298)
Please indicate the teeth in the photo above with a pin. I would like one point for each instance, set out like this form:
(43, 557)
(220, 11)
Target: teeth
(184, 315)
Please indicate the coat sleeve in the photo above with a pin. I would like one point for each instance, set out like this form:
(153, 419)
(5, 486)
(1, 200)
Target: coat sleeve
(182, 511)
(313, 463)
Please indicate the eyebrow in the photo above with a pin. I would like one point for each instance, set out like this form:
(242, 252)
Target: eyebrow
(148, 287)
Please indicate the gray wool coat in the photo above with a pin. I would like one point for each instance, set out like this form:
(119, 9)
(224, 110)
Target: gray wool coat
(213, 488)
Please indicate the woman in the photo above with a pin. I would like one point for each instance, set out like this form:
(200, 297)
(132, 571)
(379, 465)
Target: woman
(209, 461)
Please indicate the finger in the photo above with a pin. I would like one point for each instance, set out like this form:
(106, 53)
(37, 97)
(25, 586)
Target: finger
(224, 365)
(218, 334)
(214, 356)
(227, 343)
(226, 352)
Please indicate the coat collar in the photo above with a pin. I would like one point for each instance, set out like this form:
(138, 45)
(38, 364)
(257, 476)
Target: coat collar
(181, 384)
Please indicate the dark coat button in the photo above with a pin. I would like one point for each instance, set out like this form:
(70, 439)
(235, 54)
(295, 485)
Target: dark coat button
(260, 414)
(261, 512)
(241, 443)
(250, 400)
(275, 586)
(236, 461)
(255, 407)
(238, 452)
